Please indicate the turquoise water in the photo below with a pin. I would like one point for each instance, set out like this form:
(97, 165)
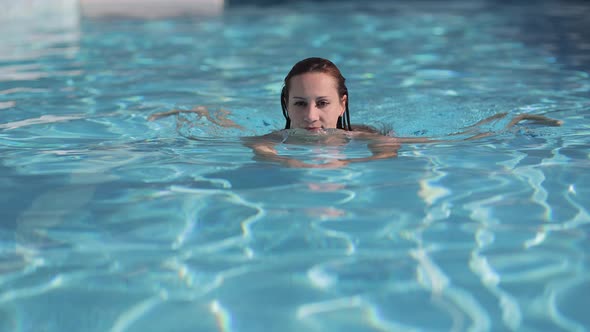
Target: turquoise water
(114, 223)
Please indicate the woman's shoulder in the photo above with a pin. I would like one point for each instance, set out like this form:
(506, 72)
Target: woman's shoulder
(275, 136)
(364, 129)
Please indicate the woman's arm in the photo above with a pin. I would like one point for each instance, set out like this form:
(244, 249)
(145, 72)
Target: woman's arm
(263, 146)
(219, 119)
(381, 147)
(384, 147)
(535, 119)
(264, 149)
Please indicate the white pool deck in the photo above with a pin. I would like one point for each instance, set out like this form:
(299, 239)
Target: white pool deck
(75, 9)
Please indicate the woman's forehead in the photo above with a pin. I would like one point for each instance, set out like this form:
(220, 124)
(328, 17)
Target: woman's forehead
(313, 84)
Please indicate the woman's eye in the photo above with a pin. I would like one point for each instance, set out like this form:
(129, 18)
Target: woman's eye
(322, 103)
(299, 103)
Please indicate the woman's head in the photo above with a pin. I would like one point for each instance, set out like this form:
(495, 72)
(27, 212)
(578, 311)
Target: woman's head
(315, 96)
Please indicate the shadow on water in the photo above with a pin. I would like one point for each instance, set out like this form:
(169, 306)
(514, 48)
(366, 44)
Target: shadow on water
(556, 27)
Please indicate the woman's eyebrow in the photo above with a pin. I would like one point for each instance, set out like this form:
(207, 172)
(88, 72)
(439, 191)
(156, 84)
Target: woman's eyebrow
(318, 97)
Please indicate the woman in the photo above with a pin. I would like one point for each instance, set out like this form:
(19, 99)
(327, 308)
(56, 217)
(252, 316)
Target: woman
(314, 100)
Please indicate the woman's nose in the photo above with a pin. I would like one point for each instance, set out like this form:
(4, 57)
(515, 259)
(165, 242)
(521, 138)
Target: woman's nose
(311, 113)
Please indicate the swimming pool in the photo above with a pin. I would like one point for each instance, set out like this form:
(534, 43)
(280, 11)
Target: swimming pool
(114, 223)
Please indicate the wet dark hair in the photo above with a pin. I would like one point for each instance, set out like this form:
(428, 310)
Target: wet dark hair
(317, 65)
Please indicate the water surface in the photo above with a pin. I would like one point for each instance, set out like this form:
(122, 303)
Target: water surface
(111, 222)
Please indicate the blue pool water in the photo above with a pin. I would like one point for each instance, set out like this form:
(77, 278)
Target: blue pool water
(110, 222)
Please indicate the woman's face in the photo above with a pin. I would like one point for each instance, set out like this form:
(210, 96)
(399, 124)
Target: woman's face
(313, 102)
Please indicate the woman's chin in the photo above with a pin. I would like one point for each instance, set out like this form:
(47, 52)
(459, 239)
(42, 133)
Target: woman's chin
(314, 131)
